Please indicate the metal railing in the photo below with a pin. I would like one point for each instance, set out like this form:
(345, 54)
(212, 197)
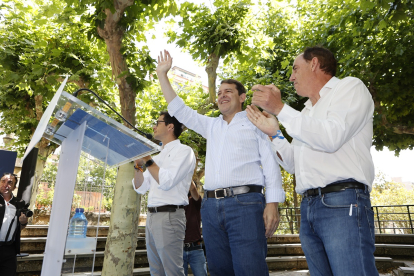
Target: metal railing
(388, 219)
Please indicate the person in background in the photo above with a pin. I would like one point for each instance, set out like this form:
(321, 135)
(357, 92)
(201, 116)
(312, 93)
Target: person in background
(168, 178)
(193, 243)
(11, 223)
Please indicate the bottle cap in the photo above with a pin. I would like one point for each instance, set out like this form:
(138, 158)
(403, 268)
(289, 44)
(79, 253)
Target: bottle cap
(79, 210)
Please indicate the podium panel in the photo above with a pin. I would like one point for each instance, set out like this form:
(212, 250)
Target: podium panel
(125, 146)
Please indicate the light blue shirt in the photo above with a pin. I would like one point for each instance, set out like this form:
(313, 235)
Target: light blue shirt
(237, 153)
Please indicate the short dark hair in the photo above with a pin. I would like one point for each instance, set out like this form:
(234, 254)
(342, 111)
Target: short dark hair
(326, 58)
(239, 86)
(12, 174)
(178, 127)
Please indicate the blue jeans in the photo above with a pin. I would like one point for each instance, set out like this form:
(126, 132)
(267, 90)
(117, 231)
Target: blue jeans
(234, 235)
(197, 262)
(337, 233)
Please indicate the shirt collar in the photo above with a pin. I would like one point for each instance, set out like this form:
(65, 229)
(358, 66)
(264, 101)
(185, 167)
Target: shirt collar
(171, 144)
(330, 84)
(241, 114)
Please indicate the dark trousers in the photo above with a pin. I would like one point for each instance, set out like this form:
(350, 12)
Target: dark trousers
(8, 260)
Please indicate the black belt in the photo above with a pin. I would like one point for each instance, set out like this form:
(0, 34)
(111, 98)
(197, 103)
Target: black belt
(232, 191)
(188, 246)
(165, 208)
(334, 188)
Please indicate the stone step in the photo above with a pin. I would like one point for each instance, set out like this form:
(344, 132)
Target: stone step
(41, 231)
(37, 245)
(136, 272)
(403, 271)
(384, 250)
(32, 264)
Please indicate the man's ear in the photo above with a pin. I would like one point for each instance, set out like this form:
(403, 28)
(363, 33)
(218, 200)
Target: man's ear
(242, 97)
(314, 64)
(171, 127)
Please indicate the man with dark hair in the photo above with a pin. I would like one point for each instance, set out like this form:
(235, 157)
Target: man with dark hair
(236, 216)
(10, 224)
(330, 157)
(168, 178)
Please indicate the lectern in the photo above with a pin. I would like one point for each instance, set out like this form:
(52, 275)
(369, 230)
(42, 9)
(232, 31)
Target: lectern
(78, 128)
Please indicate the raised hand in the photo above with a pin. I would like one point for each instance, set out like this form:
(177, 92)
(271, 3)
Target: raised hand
(267, 97)
(264, 121)
(164, 63)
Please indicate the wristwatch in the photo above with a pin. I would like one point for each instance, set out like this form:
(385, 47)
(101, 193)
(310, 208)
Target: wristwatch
(149, 163)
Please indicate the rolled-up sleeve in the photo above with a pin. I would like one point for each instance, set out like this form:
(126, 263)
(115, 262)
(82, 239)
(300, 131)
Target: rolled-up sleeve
(182, 164)
(146, 184)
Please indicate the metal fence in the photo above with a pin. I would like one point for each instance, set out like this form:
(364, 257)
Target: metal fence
(390, 219)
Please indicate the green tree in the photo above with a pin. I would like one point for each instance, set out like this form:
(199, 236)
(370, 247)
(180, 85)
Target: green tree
(210, 36)
(121, 24)
(373, 42)
(40, 43)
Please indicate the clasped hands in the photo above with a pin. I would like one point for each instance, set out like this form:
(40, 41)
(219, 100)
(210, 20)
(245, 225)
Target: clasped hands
(269, 98)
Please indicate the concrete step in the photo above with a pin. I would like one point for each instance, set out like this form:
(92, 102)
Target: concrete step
(37, 245)
(403, 271)
(136, 272)
(32, 265)
(41, 231)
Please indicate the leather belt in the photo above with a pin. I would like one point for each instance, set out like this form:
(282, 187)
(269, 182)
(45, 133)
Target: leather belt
(232, 191)
(334, 188)
(165, 208)
(189, 246)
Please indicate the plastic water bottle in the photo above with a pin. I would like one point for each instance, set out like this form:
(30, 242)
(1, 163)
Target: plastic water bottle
(78, 225)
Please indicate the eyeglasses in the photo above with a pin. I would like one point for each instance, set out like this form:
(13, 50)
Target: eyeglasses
(157, 122)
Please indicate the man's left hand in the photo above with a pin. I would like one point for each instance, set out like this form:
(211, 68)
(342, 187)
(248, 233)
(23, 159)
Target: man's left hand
(271, 218)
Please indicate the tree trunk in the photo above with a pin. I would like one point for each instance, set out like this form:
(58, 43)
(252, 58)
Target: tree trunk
(123, 231)
(211, 70)
(122, 237)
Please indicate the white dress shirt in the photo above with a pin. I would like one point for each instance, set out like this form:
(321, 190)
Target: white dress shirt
(237, 153)
(177, 163)
(332, 139)
(9, 214)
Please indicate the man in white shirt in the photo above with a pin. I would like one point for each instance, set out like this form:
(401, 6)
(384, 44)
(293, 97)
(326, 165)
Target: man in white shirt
(236, 217)
(167, 177)
(330, 156)
(10, 224)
